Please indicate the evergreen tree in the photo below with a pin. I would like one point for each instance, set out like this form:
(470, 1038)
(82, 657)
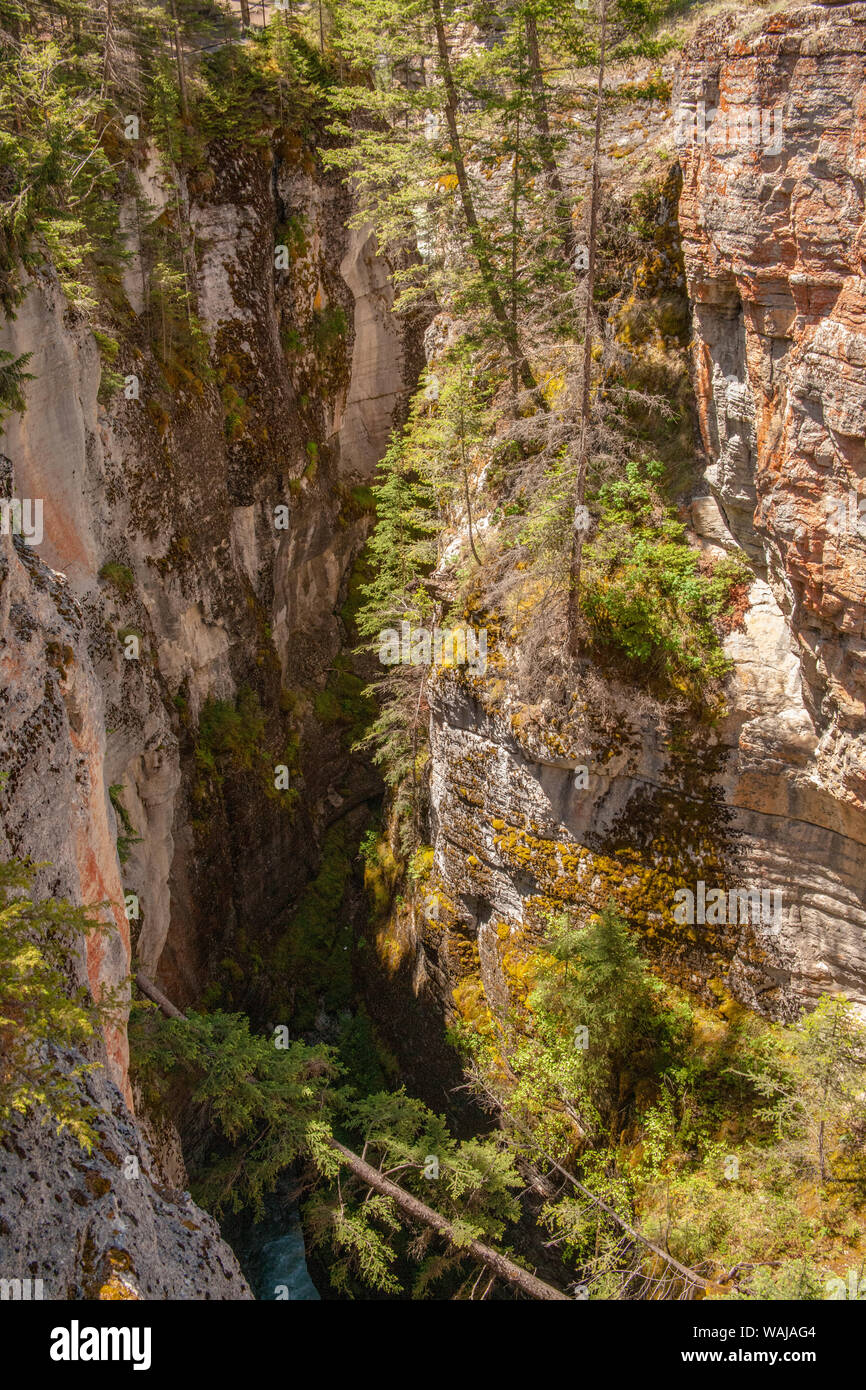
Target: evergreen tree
(814, 1093)
(41, 1015)
(12, 378)
(401, 553)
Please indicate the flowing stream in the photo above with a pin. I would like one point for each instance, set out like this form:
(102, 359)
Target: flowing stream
(271, 1252)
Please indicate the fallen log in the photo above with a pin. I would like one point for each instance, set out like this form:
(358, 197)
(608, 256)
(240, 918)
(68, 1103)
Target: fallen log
(498, 1264)
(154, 993)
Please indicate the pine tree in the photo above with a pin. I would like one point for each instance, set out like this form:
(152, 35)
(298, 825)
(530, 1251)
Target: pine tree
(401, 552)
(402, 546)
(12, 378)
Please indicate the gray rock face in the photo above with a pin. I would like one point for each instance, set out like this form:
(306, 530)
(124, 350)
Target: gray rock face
(101, 1226)
(55, 803)
(531, 814)
(94, 1225)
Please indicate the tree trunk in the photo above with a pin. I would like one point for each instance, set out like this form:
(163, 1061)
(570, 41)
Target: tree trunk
(515, 194)
(476, 236)
(545, 141)
(154, 993)
(246, 20)
(577, 533)
(109, 26)
(465, 467)
(468, 500)
(181, 74)
(826, 1092)
(498, 1264)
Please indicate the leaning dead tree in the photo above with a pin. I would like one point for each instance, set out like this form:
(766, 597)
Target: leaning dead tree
(498, 1264)
(675, 1279)
(580, 519)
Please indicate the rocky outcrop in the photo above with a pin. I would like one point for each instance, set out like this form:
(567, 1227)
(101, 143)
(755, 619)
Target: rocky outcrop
(780, 373)
(55, 800)
(772, 218)
(155, 485)
(535, 808)
(622, 800)
(103, 1225)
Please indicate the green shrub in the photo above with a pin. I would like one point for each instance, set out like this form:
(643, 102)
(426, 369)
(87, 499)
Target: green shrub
(233, 737)
(233, 729)
(109, 347)
(128, 836)
(368, 849)
(110, 383)
(329, 326)
(120, 577)
(648, 594)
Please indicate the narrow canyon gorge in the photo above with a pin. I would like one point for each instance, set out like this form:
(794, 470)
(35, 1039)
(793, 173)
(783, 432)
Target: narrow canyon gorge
(266, 410)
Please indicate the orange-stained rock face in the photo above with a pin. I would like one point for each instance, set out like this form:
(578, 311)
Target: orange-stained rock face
(772, 217)
(53, 749)
(100, 883)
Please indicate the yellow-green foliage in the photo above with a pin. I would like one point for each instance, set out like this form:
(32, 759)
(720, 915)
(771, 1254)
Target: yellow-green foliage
(233, 736)
(382, 871)
(40, 1013)
(730, 1141)
(421, 864)
(646, 593)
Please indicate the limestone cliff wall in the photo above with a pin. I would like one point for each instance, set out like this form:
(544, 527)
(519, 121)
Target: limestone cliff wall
(179, 486)
(767, 122)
